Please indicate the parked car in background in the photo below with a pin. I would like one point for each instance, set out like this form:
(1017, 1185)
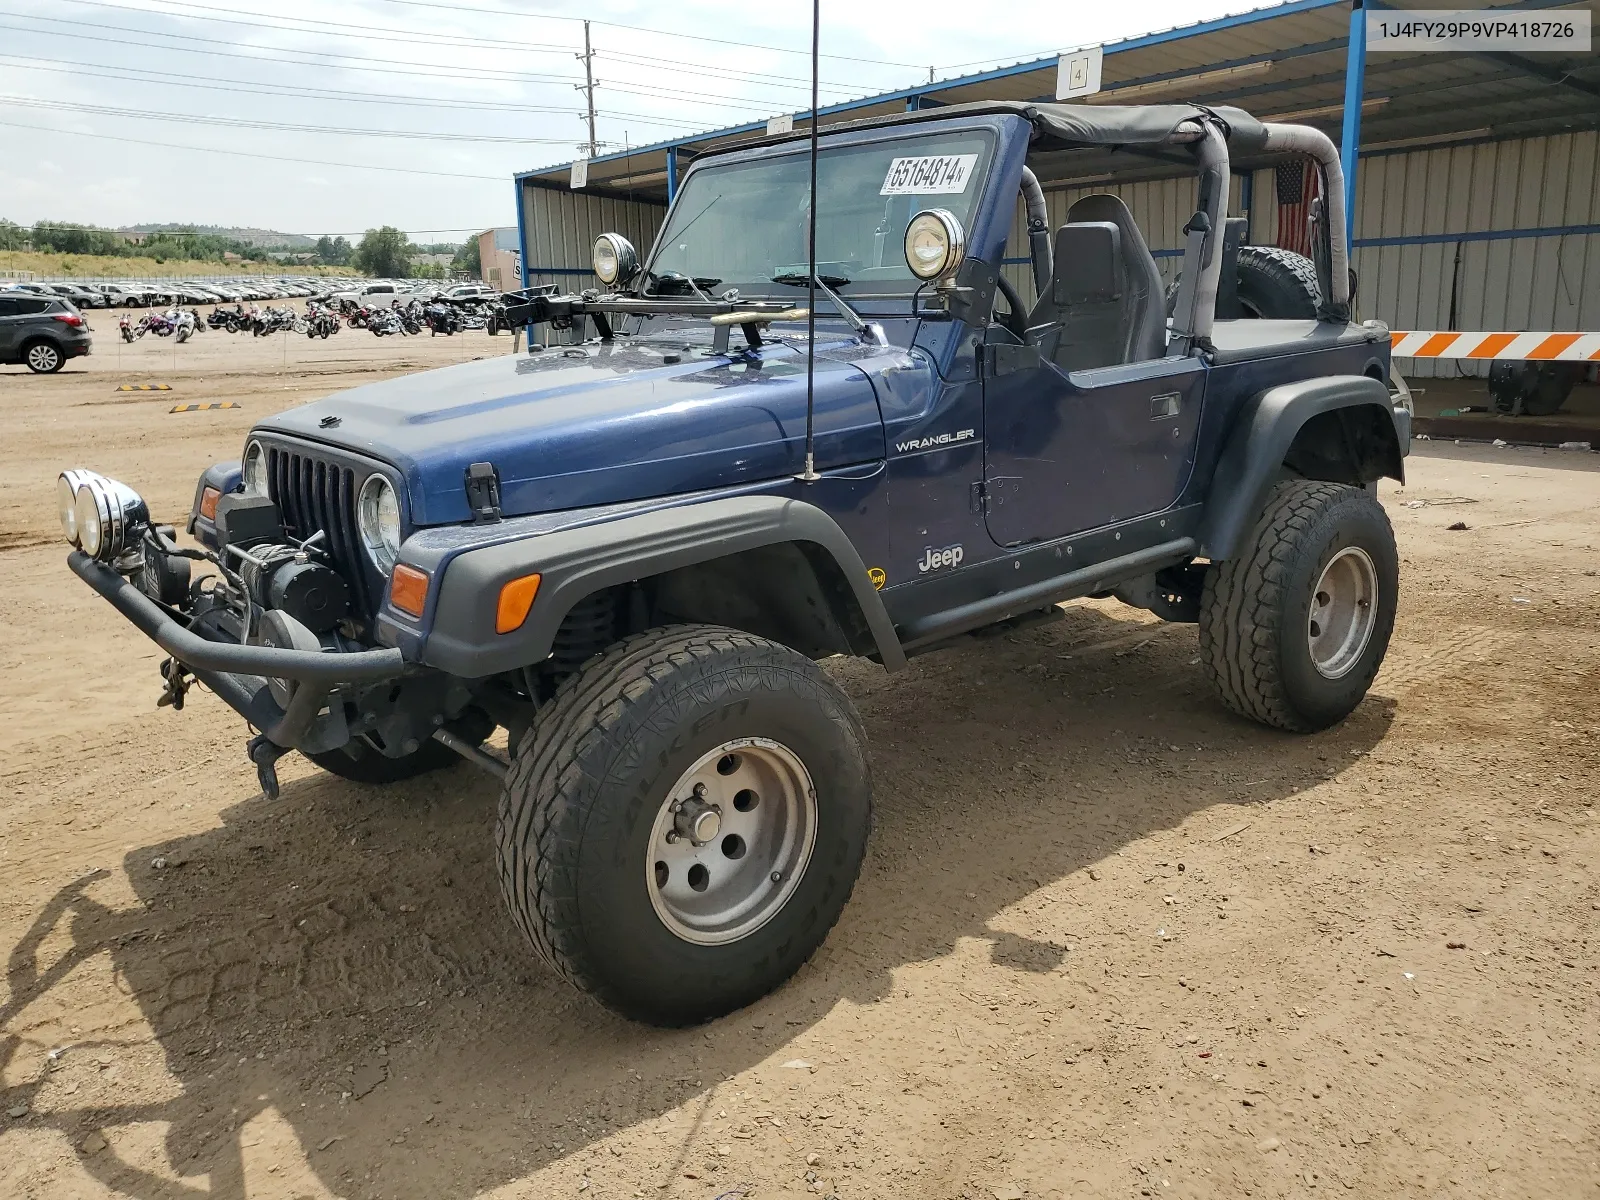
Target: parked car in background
(79, 294)
(122, 295)
(41, 332)
(374, 295)
(471, 291)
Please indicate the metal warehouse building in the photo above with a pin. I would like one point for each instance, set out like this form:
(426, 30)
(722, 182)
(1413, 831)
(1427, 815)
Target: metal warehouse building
(1477, 184)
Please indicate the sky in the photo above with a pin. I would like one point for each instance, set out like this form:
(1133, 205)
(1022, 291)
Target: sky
(319, 118)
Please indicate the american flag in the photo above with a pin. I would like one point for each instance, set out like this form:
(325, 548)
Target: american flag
(1298, 186)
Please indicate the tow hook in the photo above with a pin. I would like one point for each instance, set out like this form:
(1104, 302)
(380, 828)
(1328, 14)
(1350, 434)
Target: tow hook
(265, 753)
(177, 684)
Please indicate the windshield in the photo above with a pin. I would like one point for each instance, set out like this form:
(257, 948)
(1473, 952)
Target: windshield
(744, 224)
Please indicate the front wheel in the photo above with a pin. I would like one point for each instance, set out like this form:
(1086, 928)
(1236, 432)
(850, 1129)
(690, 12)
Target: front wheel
(687, 822)
(1294, 627)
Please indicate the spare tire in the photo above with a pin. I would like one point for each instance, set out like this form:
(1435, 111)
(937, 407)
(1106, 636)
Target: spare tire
(1274, 284)
(1277, 284)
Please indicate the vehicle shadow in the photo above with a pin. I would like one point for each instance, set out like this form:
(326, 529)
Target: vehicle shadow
(341, 955)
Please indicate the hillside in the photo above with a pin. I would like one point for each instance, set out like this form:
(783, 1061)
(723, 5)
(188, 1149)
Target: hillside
(89, 266)
(254, 237)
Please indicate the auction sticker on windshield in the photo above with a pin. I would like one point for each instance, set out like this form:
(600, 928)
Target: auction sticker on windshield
(937, 175)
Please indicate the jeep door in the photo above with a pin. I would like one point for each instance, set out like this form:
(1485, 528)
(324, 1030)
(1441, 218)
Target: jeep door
(1069, 451)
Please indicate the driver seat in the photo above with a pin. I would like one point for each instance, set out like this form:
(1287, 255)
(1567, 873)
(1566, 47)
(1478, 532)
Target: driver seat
(1099, 312)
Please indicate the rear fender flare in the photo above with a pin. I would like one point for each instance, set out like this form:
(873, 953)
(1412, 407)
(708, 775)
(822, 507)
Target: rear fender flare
(1263, 435)
(577, 562)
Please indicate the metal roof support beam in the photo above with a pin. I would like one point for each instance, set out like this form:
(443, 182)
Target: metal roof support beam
(1538, 71)
(1355, 70)
(672, 174)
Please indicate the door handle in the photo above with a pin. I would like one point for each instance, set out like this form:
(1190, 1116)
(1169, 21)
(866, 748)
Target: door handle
(1165, 405)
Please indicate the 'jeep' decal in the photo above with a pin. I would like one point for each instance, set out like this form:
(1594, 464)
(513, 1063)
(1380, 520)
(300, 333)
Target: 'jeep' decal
(932, 559)
(938, 439)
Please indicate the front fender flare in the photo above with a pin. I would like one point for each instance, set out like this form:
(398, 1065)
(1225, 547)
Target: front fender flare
(576, 562)
(1265, 428)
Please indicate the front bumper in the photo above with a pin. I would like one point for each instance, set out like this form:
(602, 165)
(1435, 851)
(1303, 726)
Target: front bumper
(239, 673)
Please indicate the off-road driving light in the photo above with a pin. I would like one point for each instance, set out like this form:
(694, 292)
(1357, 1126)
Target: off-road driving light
(254, 470)
(108, 516)
(935, 244)
(615, 259)
(378, 517)
(67, 502)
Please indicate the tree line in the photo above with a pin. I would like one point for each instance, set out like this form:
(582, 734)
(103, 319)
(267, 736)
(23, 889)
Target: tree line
(386, 251)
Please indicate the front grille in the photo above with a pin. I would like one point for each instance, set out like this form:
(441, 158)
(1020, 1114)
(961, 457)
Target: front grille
(313, 494)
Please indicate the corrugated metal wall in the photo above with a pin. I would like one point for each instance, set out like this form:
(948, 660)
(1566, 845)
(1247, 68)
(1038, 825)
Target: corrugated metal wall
(1161, 208)
(1518, 283)
(560, 228)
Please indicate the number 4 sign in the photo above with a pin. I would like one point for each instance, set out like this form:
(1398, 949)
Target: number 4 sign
(1078, 73)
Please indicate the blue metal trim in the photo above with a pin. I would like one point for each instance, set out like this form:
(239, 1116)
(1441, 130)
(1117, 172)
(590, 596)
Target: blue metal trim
(672, 173)
(1484, 235)
(522, 236)
(1355, 78)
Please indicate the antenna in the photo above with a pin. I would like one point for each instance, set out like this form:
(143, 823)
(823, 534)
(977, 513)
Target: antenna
(810, 473)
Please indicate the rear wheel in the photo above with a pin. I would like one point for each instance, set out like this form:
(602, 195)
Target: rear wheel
(1294, 627)
(687, 822)
(43, 358)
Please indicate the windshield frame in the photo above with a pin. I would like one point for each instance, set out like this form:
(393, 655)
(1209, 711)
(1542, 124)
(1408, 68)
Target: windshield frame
(987, 168)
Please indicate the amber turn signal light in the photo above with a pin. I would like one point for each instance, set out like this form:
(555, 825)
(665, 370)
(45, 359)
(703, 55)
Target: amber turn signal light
(516, 598)
(208, 503)
(408, 589)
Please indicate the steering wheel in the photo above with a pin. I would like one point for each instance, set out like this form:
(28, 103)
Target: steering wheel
(1016, 320)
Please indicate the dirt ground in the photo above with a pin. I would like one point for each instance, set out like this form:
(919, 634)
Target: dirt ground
(1110, 941)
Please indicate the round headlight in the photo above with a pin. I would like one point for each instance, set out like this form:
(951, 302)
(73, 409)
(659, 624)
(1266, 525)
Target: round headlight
(254, 470)
(91, 524)
(67, 503)
(615, 260)
(378, 516)
(107, 516)
(935, 244)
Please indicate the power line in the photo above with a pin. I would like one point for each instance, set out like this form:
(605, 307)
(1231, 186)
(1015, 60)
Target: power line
(388, 66)
(492, 74)
(369, 33)
(315, 162)
(173, 79)
(477, 10)
(286, 127)
(413, 37)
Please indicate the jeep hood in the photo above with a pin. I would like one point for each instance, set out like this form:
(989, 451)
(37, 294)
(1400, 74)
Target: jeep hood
(576, 426)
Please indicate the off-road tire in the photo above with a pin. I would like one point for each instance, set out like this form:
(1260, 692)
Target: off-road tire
(1254, 609)
(1273, 284)
(578, 808)
(1277, 284)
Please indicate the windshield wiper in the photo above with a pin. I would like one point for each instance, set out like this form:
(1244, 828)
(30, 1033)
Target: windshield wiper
(801, 279)
(678, 277)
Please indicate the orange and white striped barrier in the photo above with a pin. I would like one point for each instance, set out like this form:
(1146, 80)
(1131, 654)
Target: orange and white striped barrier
(1548, 347)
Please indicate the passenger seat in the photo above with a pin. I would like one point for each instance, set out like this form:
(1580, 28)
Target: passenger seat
(1100, 311)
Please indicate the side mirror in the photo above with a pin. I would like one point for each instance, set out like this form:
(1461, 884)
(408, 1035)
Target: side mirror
(615, 260)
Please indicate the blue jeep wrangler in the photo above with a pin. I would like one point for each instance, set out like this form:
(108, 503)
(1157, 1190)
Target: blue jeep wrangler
(617, 549)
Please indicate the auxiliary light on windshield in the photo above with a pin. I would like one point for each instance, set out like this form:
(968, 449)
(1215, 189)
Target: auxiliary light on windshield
(935, 244)
(615, 259)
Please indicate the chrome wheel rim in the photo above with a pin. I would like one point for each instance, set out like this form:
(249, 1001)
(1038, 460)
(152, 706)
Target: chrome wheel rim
(42, 358)
(731, 841)
(1344, 609)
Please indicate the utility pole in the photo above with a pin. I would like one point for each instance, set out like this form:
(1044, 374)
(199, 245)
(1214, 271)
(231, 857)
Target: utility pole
(587, 87)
